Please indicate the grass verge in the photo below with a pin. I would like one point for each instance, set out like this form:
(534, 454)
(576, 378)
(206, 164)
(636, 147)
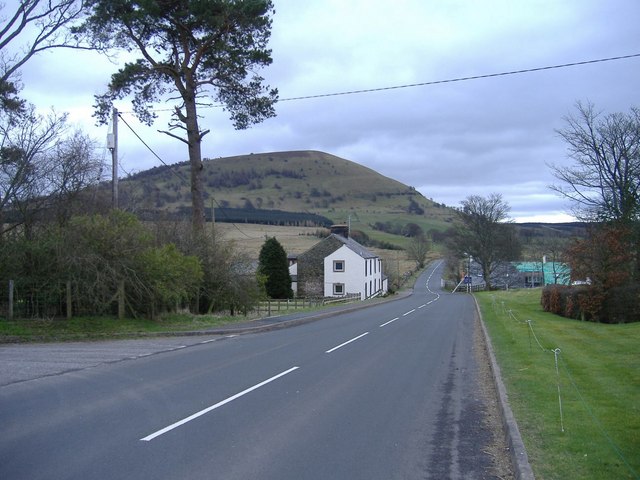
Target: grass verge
(596, 433)
(82, 328)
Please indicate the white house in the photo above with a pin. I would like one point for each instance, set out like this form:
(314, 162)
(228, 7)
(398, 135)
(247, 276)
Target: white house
(337, 266)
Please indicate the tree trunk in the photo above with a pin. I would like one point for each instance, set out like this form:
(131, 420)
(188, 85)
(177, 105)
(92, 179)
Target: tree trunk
(194, 140)
(487, 277)
(69, 300)
(121, 300)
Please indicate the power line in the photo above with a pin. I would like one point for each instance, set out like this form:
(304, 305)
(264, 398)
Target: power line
(462, 79)
(179, 174)
(439, 82)
(175, 172)
(381, 89)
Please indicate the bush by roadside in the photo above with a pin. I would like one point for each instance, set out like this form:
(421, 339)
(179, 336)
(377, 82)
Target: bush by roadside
(590, 303)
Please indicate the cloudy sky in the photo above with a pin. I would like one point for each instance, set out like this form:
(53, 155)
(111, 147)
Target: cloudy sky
(448, 140)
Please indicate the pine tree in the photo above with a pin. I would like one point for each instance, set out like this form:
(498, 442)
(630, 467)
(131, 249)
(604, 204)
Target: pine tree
(274, 266)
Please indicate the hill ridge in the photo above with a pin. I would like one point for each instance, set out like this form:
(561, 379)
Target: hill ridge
(300, 181)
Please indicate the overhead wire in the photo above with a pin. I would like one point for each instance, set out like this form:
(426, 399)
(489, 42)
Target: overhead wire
(177, 173)
(439, 82)
(462, 79)
(382, 89)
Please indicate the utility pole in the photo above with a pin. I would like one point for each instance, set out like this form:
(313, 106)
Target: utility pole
(112, 140)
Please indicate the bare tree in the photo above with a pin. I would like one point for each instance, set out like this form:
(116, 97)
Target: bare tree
(74, 165)
(40, 166)
(25, 138)
(33, 27)
(417, 250)
(604, 182)
(485, 234)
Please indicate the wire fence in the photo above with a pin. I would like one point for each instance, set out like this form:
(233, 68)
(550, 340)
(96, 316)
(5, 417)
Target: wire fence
(560, 363)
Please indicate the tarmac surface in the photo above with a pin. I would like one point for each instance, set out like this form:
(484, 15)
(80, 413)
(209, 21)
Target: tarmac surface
(27, 362)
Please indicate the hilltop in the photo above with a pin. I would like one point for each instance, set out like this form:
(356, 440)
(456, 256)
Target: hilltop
(310, 182)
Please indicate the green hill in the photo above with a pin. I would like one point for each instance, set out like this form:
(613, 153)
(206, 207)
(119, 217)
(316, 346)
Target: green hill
(300, 181)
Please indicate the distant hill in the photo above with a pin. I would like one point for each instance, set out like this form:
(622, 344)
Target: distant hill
(299, 181)
(532, 230)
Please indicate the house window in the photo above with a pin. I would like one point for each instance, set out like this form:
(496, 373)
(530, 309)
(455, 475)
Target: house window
(338, 265)
(338, 288)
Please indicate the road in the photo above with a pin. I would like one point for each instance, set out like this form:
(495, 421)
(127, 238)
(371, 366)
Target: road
(387, 392)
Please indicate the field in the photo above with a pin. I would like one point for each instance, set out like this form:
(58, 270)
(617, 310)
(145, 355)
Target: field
(249, 238)
(579, 417)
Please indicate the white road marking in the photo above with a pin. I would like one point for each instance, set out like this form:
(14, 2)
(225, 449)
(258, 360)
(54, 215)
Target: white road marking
(347, 342)
(409, 312)
(390, 321)
(148, 438)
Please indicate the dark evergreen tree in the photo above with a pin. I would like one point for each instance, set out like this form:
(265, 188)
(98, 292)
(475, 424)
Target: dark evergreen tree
(274, 266)
(190, 52)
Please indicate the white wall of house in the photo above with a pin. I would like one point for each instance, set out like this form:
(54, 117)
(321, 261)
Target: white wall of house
(293, 272)
(347, 272)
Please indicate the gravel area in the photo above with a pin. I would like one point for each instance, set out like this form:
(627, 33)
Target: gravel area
(22, 362)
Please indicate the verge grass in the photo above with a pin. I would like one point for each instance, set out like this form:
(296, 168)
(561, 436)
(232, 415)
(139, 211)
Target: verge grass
(82, 328)
(596, 433)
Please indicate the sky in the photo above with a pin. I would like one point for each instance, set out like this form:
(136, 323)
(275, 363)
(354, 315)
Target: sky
(449, 140)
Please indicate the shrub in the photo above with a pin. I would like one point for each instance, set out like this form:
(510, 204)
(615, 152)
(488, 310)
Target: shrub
(622, 304)
(591, 303)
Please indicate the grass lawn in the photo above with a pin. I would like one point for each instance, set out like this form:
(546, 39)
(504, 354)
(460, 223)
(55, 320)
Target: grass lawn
(596, 434)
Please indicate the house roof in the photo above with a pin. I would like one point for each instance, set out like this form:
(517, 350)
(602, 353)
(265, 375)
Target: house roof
(554, 272)
(351, 244)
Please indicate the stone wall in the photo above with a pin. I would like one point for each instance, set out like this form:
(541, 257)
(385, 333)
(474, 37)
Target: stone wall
(311, 267)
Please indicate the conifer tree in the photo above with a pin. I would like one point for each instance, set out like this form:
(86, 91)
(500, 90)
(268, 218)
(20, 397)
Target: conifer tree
(275, 268)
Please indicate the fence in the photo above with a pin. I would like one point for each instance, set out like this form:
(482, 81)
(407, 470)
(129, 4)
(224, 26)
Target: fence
(64, 300)
(462, 287)
(274, 307)
(20, 301)
(554, 355)
(59, 300)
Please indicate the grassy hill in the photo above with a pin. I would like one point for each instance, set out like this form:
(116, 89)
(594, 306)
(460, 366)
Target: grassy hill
(300, 181)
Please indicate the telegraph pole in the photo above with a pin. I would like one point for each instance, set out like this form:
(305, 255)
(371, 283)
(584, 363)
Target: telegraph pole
(112, 140)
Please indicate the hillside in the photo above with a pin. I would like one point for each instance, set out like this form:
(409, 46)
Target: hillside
(301, 181)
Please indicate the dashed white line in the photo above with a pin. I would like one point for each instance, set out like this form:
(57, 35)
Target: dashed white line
(390, 321)
(408, 313)
(346, 343)
(150, 437)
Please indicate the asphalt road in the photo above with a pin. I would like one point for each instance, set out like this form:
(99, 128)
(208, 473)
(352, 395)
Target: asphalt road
(387, 392)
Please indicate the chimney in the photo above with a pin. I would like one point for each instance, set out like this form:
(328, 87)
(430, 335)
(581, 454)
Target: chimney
(342, 230)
